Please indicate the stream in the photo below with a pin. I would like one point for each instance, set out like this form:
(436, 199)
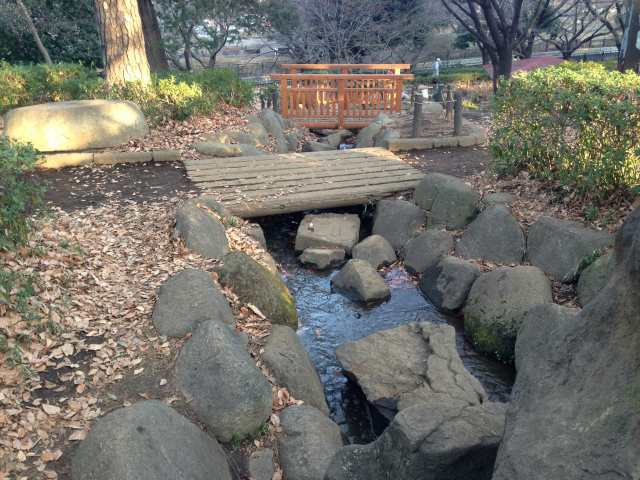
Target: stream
(327, 320)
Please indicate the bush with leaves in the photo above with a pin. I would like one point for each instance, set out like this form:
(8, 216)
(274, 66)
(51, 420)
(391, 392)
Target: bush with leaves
(168, 97)
(20, 197)
(576, 124)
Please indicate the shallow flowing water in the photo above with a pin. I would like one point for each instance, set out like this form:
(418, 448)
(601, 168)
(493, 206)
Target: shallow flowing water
(328, 319)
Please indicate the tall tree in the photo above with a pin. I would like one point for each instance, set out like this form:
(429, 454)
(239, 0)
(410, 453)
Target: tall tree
(613, 15)
(630, 51)
(123, 42)
(34, 31)
(156, 54)
(498, 26)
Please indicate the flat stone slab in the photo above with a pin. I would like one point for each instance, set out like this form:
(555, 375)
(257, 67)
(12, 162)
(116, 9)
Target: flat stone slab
(76, 125)
(406, 365)
(328, 230)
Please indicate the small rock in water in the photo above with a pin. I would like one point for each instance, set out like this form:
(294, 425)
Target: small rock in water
(359, 281)
(376, 250)
(322, 258)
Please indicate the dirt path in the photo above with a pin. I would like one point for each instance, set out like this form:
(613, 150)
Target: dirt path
(459, 162)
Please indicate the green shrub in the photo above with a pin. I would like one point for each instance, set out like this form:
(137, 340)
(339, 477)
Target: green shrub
(454, 75)
(172, 96)
(20, 197)
(577, 124)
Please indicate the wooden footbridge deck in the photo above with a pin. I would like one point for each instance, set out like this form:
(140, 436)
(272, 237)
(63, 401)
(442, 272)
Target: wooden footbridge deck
(271, 184)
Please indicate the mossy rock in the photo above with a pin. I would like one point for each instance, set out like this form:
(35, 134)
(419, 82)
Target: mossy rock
(256, 285)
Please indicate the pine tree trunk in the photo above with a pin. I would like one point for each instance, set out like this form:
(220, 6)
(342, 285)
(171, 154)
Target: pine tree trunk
(123, 42)
(152, 36)
(34, 31)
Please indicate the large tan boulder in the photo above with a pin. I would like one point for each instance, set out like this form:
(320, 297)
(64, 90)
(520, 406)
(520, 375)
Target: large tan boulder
(76, 125)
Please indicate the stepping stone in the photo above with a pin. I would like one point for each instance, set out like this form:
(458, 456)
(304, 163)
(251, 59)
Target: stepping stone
(359, 281)
(187, 299)
(322, 258)
(376, 250)
(328, 230)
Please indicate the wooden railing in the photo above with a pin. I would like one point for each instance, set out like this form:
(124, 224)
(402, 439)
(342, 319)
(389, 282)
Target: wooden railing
(339, 100)
(346, 68)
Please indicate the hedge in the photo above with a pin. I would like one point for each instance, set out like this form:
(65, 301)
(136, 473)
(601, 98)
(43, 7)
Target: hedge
(577, 124)
(172, 96)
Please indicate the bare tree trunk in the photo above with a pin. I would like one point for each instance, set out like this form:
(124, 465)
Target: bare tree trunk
(152, 36)
(34, 31)
(123, 42)
(630, 53)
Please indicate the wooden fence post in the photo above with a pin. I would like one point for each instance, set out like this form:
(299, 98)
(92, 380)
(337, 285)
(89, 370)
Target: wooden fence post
(341, 102)
(399, 88)
(284, 99)
(417, 116)
(448, 98)
(457, 115)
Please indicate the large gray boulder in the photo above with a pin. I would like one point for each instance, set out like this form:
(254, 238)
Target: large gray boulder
(75, 125)
(575, 410)
(366, 136)
(328, 230)
(495, 235)
(426, 250)
(447, 283)
(201, 230)
(431, 440)
(449, 201)
(594, 278)
(398, 221)
(382, 138)
(222, 384)
(148, 441)
(261, 466)
(254, 284)
(376, 250)
(225, 150)
(275, 125)
(336, 138)
(322, 258)
(496, 306)
(187, 299)
(409, 364)
(359, 281)
(291, 366)
(308, 442)
(559, 247)
(311, 146)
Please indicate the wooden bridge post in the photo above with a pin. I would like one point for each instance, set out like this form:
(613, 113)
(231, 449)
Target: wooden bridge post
(342, 102)
(284, 98)
(399, 87)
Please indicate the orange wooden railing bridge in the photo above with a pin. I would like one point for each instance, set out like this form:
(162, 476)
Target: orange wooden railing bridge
(340, 100)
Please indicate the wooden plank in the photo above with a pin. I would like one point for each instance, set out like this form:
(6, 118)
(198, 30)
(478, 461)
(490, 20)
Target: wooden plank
(306, 201)
(260, 172)
(363, 179)
(213, 181)
(323, 188)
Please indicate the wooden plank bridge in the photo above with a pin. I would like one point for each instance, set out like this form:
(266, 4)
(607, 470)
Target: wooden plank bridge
(264, 185)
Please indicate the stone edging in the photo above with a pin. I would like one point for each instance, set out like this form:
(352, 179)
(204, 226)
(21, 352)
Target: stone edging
(76, 159)
(477, 137)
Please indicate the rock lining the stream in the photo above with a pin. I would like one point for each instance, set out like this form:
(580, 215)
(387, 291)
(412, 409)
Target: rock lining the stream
(291, 366)
(449, 201)
(447, 284)
(308, 442)
(432, 440)
(187, 299)
(222, 383)
(409, 364)
(575, 413)
(322, 258)
(398, 221)
(148, 441)
(594, 278)
(201, 230)
(426, 250)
